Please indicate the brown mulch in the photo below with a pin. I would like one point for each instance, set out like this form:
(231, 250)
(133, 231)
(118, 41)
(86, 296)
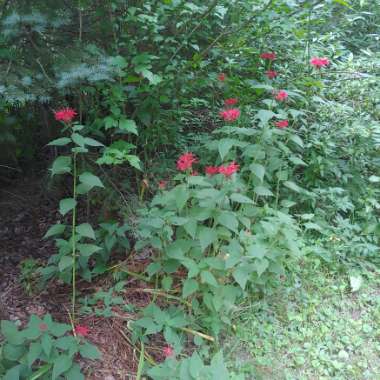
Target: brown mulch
(26, 212)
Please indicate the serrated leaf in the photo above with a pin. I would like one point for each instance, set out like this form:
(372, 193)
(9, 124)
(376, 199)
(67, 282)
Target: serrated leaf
(34, 352)
(89, 351)
(224, 146)
(241, 275)
(66, 205)
(208, 278)
(78, 139)
(181, 195)
(195, 365)
(92, 142)
(189, 287)
(264, 116)
(128, 125)
(61, 165)
(61, 364)
(260, 266)
(86, 230)
(47, 344)
(228, 219)
(296, 139)
(88, 249)
(90, 180)
(11, 333)
(293, 186)
(60, 142)
(13, 373)
(65, 262)
(206, 236)
(240, 198)
(262, 191)
(57, 229)
(258, 170)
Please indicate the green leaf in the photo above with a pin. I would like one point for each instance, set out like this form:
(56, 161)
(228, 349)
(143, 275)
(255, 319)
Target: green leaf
(91, 142)
(61, 364)
(152, 78)
(86, 230)
(12, 352)
(181, 195)
(258, 170)
(264, 116)
(293, 186)
(65, 262)
(74, 373)
(208, 278)
(78, 139)
(296, 139)
(228, 219)
(13, 373)
(34, 352)
(241, 275)
(224, 146)
(257, 250)
(61, 165)
(189, 287)
(240, 198)
(57, 229)
(66, 205)
(47, 344)
(206, 236)
(88, 249)
(260, 266)
(167, 282)
(89, 351)
(218, 368)
(195, 365)
(128, 125)
(262, 191)
(60, 142)
(90, 180)
(11, 333)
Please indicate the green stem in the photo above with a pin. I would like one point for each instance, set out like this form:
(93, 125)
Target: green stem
(73, 237)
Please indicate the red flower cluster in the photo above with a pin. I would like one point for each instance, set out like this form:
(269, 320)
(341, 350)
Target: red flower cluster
(227, 171)
(281, 95)
(271, 74)
(81, 330)
(268, 56)
(281, 123)
(222, 77)
(186, 161)
(230, 169)
(230, 115)
(168, 351)
(65, 115)
(212, 170)
(319, 62)
(230, 102)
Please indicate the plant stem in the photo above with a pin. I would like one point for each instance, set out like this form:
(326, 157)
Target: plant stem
(73, 237)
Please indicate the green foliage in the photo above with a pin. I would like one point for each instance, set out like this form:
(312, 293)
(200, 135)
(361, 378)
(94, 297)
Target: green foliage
(42, 350)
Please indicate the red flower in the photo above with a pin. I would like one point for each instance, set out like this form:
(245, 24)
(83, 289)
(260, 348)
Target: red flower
(162, 184)
(211, 170)
(230, 169)
(43, 326)
(269, 56)
(81, 330)
(65, 115)
(281, 95)
(319, 62)
(168, 351)
(230, 102)
(271, 74)
(186, 161)
(281, 123)
(222, 77)
(230, 114)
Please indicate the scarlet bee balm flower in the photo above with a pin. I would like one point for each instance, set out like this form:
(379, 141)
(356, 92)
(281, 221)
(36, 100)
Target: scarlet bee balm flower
(318, 63)
(281, 95)
(230, 114)
(281, 123)
(168, 351)
(270, 56)
(186, 161)
(212, 170)
(230, 102)
(230, 169)
(222, 77)
(271, 74)
(65, 114)
(81, 330)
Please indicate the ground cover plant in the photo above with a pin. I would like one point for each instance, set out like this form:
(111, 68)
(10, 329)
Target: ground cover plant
(209, 195)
